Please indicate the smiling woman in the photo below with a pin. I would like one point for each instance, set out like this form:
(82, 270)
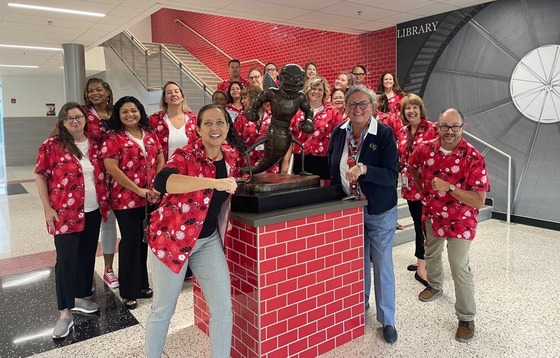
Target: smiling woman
(190, 226)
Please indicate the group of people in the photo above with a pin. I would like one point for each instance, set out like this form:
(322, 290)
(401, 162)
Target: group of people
(168, 179)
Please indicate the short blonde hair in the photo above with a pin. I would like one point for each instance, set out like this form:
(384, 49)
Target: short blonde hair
(316, 81)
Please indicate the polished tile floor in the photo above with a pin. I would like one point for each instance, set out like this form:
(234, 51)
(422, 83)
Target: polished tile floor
(517, 276)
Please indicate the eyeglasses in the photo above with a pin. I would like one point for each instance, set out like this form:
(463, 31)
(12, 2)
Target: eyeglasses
(456, 128)
(272, 69)
(72, 119)
(254, 78)
(362, 105)
(359, 74)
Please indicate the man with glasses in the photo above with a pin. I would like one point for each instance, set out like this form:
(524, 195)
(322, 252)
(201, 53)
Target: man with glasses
(272, 70)
(360, 73)
(452, 178)
(234, 68)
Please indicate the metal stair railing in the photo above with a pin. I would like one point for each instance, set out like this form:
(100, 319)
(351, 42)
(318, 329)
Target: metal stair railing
(509, 169)
(254, 60)
(143, 62)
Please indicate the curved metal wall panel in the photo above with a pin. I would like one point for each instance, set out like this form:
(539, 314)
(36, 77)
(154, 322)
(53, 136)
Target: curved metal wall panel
(474, 74)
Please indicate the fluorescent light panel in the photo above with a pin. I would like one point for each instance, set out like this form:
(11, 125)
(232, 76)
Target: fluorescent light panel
(31, 47)
(19, 66)
(55, 9)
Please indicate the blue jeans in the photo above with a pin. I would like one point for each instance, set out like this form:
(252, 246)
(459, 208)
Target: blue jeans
(378, 243)
(209, 266)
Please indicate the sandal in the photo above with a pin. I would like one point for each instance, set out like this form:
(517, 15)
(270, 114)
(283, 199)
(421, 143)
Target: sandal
(146, 293)
(130, 304)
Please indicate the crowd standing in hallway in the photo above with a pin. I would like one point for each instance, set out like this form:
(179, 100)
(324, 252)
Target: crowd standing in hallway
(121, 163)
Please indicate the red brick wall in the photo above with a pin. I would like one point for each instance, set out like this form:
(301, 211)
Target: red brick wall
(247, 40)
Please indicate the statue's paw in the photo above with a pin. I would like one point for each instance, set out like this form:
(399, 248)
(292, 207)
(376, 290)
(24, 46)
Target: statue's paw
(304, 173)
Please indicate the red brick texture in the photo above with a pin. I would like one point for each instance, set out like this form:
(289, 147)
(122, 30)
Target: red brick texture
(297, 287)
(249, 40)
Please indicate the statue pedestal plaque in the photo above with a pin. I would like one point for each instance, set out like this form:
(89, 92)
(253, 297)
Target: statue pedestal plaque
(269, 191)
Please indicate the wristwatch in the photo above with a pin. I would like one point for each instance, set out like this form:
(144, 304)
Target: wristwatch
(361, 166)
(451, 188)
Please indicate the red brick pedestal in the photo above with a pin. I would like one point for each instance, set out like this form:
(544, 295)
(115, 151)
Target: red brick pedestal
(297, 280)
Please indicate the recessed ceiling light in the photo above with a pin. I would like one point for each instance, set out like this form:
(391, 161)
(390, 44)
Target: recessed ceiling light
(19, 66)
(56, 9)
(32, 47)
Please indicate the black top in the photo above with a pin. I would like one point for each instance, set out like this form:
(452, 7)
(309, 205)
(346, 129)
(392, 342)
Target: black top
(218, 198)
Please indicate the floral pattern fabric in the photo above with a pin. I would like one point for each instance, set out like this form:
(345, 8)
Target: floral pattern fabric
(324, 121)
(140, 168)
(426, 131)
(464, 167)
(161, 129)
(250, 132)
(176, 224)
(65, 182)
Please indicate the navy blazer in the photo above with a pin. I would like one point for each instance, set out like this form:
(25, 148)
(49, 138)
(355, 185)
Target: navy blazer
(379, 154)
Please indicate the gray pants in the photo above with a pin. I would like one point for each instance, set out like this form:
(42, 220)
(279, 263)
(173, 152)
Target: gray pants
(209, 266)
(458, 254)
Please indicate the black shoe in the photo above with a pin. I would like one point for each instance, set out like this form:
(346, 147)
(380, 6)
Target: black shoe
(421, 280)
(412, 267)
(390, 334)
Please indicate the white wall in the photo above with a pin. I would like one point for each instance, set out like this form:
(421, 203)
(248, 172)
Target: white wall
(143, 30)
(31, 93)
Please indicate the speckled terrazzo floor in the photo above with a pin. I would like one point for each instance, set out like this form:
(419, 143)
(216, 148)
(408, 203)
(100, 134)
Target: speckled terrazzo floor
(517, 277)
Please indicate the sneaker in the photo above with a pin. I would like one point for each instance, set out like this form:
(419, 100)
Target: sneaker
(465, 331)
(62, 327)
(429, 294)
(111, 279)
(390, 334)
(85, 306)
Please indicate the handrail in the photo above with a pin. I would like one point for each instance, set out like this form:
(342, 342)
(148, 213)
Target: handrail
(172, 57)
(216, 47)
(135, 41)
(203, 38)
(509, 179)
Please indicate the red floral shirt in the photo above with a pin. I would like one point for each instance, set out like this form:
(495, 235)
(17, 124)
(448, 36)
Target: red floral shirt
(391, 119)
(223, 86)
(65, 181)
(96, 128)
(324, 121)
(176, 224)
(234, 113)
(161, 129)
(426, 131)
(140, 168)
(249, 133)
(464, 167)
(395, 102)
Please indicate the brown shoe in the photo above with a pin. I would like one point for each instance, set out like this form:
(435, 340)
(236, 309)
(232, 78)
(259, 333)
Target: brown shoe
(465, 331)
(429, 294)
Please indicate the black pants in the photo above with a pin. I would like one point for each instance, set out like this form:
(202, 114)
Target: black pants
(415, 208)
(318, 165)
(133, 253)
(75, 261)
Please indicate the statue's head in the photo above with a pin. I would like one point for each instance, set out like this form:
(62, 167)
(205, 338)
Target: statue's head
(292, 77)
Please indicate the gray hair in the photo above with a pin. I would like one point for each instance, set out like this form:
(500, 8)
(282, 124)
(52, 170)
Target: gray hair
(361, 89)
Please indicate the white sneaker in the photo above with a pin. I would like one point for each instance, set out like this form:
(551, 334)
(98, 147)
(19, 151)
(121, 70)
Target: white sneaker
(111, 279)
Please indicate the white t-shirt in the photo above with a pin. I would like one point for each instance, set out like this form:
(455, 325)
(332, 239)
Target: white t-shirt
(90, 201)
(177, 137)
(140, 142)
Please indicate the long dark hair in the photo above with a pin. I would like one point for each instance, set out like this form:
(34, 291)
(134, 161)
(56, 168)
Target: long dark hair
(107, 88)
(228, 94)
(66, 139)
(232, 137)
(115, 120)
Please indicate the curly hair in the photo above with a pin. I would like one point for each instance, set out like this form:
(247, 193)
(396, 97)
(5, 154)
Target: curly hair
(107, 88)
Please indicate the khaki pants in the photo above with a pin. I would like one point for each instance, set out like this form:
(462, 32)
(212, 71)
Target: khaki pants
(458, 254)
